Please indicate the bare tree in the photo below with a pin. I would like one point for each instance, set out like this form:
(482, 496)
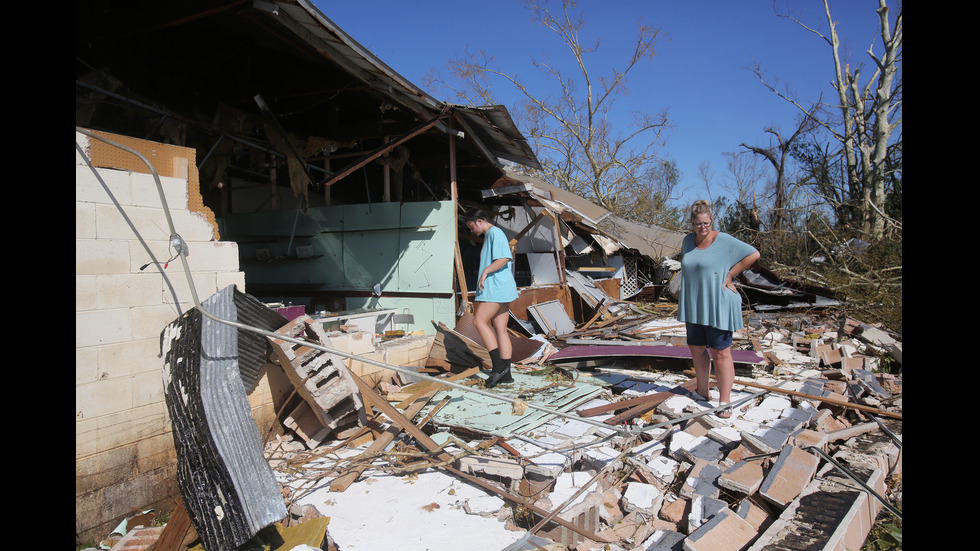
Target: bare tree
(869, 114)
(745, 176)
(778, 156)
(571, 131)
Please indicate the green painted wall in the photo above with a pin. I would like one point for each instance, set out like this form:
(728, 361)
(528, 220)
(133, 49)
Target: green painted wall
(405, 248)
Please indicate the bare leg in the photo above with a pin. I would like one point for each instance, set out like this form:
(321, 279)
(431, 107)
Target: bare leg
(483, 317)
(491, 321)
(500, 321)
(724, 373)
(702, 368)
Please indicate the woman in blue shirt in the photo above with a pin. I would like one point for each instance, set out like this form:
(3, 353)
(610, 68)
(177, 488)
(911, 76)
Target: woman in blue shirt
(496, 289)
(709, 304)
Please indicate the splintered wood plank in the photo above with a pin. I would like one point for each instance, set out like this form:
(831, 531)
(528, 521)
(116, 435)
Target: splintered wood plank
(652, 399)
(412, 405)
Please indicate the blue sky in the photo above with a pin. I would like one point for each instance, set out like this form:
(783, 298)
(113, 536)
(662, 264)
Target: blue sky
(700, 76)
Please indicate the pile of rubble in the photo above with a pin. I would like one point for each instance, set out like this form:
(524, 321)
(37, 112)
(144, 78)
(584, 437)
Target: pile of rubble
(807, 455)
(583, 451)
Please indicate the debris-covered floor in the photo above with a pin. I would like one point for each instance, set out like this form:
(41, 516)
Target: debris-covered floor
(597, 444)
(680, 478)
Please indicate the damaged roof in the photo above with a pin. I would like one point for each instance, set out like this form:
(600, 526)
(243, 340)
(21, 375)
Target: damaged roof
(612, 231)
(143, 68)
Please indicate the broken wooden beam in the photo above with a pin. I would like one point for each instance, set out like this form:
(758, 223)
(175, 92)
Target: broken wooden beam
(412, 406)
(446, 460)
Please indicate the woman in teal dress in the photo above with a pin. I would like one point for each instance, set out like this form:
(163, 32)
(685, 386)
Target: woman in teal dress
(709, 304)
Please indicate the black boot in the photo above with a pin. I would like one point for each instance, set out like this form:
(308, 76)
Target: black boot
(500, 374)
(495, 360)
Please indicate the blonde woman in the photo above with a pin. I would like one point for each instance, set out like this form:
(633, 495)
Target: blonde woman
(709, 304)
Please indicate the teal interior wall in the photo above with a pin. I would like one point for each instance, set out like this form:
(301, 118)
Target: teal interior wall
(403, 248)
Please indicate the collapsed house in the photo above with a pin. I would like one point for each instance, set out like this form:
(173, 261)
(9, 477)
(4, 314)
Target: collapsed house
(275, 155)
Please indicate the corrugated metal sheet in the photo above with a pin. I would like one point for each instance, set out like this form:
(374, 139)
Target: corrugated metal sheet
(225, 481)
(254, 349)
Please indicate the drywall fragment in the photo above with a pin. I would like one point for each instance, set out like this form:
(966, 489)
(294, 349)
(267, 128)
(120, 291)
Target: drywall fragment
(644, 498)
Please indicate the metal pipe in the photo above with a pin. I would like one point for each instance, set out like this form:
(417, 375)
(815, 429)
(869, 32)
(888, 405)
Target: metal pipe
(853, 477)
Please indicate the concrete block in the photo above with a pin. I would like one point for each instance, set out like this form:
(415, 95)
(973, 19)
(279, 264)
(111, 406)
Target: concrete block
(584, 513)
(630, 528)
(791, 473)
(599, 458)
(703, 448)
(766, 412)
(726, 531)
(128, 290)
(355, 342)
(499, 467)
(765, 440)
(687, 447)
(744, 477)
(566, 485)
(371, 373)
(700, 426)
(648, 451)
(101, 256)
(611, 512)
(820, 419)
(663, 467)
(548, 465)
(828, 514)
(739, 453)
(801, 414)
(788, 425)
(503, 469)
(675, 406)
(570, 428)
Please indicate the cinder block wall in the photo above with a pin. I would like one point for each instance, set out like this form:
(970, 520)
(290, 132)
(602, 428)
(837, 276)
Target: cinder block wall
(124, 454)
